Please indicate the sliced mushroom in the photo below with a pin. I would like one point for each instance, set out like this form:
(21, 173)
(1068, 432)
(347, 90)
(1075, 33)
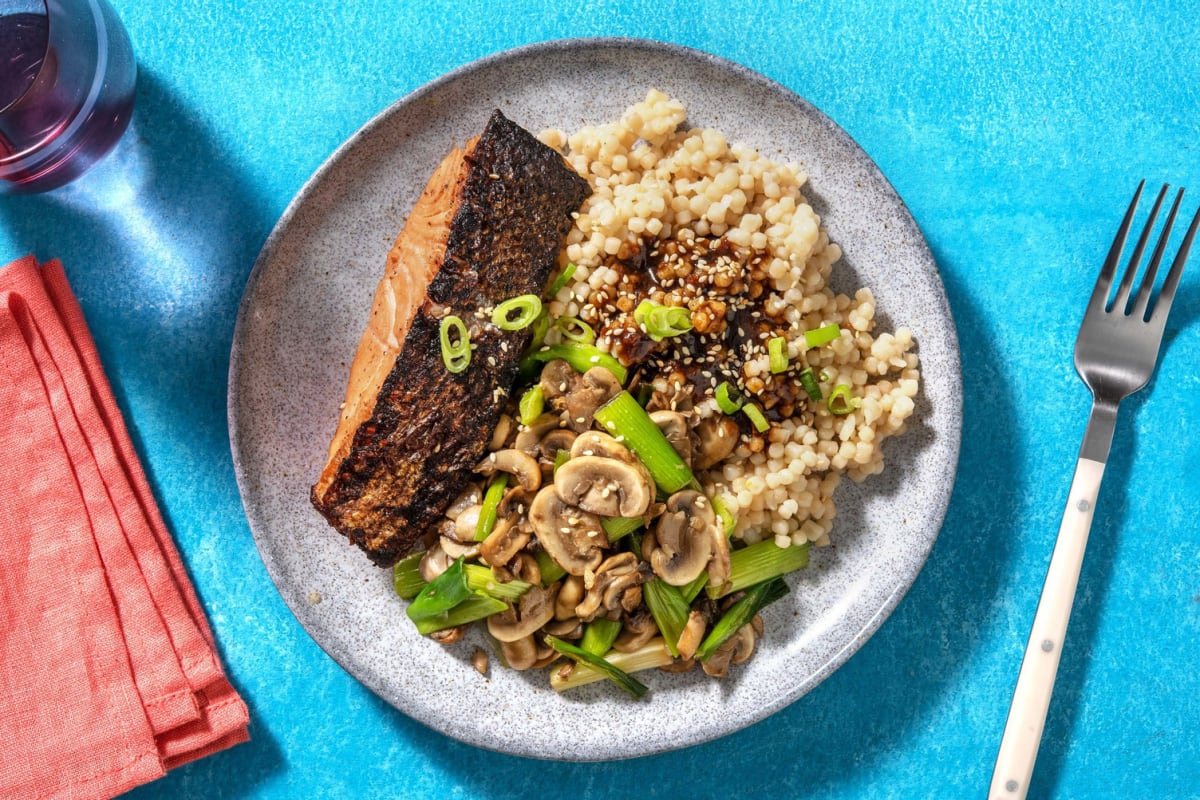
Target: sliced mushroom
(638, 628)
(471, 496)
(521, 653)
(434, 562)
(674, 427)
(605, 486)
(692, 634)
(507, 539)
(515, 462)
(680, 665)
(456, 549)
(479, 660)
(716, 437)
(571, 537)
(568, 597)
(466, 523)
(555, 440)
(683, 540)
(735, 650)
(615, 577)
(532, 611)
(505, 428)
(558, 378)
(449, 635)
(525, 568)
(597, 386)
(565, 628)
(598, 443)
(530, 437)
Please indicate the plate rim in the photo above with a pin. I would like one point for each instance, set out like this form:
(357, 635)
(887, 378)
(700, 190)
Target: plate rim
(862, 632)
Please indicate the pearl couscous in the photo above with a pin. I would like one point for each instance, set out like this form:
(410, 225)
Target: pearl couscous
(727, 234)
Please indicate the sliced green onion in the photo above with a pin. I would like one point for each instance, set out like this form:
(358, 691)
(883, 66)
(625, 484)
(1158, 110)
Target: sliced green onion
(532, 403)
(841, 401)
(475, 607)
(661, 322)
(561, 457)
(581, 357)
(777, 354)
(623, 418)
(441, 594)
(576, 330)
(669, 609)
(729, 399)
(651, 655)
(491, 499)
(725, 513)
(756, 417)
(549, 568)
(481, 579)
(616, 527)
(822, 335)
(757, 598)
(599, 635)
(809, 381)
(613, 673)
(526, 309)
(760, 562)
(561, 280)
(406, 576)
(456, 354)
(691, 590)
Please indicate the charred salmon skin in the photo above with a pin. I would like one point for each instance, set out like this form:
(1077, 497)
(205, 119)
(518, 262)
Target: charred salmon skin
(488, 227)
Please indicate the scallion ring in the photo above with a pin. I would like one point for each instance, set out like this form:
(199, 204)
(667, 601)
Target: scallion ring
(728, 398)
(756, 417)
(561, 280)
(822, 335)
(531, 405)
(517, 313)
(809, 381)
(662, 322)
(575, 330)
(777, 354)
(456, 350)
(841, 401)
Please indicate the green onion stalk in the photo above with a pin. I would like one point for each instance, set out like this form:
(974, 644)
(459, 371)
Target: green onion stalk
(606, 667)
(491, 503)
(599, 635)
(760, 562)
(624, 419)
(669, 609)
(756, 599)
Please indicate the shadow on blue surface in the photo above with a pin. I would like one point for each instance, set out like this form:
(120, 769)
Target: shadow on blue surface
(853, 721)
(169, 211)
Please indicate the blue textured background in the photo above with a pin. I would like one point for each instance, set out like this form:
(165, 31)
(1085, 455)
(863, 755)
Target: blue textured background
(1016, 135)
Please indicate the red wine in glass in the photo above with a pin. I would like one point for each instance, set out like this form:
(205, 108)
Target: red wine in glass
(67, 77)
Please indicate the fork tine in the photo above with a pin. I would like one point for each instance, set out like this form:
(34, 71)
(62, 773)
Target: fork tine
(1142, 298)
(1122, 296)
(1104, 281)
(1162, 305)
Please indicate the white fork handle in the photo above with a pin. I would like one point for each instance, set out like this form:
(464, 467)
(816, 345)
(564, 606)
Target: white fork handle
(1035, 683)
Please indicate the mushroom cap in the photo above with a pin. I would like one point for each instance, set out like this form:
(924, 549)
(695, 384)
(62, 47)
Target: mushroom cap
(573, 538)
(532, 611)
(615, 577)
(716, 437)
(507, 539)
(598, 443)
(675, 429)
(684, 538)
(530, 435)
(515, 462)
(605, 486)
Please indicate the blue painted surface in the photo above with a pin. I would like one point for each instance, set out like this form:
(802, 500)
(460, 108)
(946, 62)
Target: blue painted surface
(1014, 131)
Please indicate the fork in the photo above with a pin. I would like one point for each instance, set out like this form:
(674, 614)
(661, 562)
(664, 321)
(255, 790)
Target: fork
(1115, 355)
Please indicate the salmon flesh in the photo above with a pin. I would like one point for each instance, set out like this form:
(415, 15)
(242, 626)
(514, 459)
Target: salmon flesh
(488, 227)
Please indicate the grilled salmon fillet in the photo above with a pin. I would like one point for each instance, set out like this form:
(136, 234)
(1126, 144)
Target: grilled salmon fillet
(488, 226)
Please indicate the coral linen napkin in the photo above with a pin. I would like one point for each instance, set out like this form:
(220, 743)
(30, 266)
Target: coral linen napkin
(108, 672)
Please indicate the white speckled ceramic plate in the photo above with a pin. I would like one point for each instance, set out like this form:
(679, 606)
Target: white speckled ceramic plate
(307, 301)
